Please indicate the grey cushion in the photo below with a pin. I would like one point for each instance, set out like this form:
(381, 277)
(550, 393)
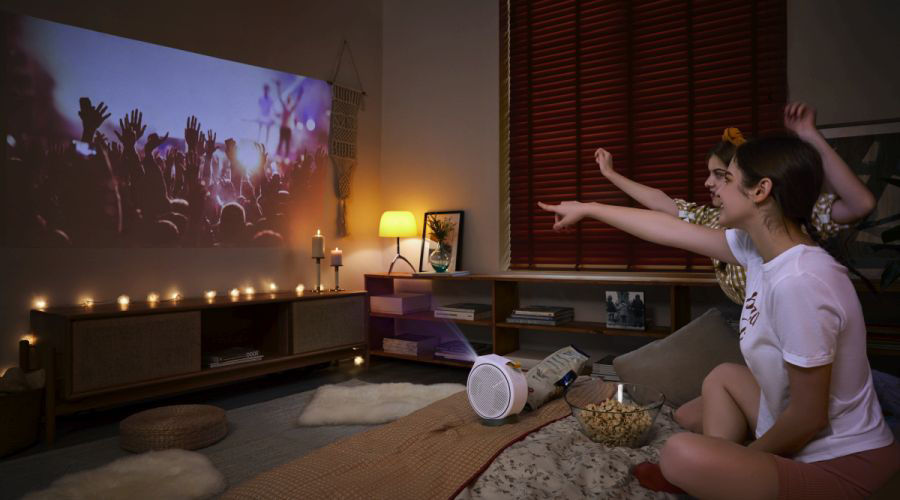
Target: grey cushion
(676, 365)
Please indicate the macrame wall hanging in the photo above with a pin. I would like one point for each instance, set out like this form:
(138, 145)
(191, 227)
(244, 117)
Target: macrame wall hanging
(345, 105)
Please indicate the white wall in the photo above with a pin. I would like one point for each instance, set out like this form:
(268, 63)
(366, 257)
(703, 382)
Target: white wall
(842, 57)
(298, 37)
(440, 119)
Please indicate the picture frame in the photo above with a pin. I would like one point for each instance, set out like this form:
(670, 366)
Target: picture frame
(625, 310)
(871, 149)
(453, 241)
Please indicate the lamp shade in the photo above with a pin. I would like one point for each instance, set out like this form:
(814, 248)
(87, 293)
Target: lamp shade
(397, 224)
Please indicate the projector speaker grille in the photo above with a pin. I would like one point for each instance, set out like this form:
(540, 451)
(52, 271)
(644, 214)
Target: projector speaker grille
(489, 391)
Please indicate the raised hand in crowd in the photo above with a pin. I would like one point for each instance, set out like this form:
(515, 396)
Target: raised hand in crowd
(100, 140)
(210, 144)
(91, 118)
(131, 130)
(192, 134)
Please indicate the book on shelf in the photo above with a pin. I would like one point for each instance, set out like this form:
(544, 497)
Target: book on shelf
(466, 311)
(544, 311)
(445, 273)
(410, 344)
(538, 321)
(231, 354)
(400, 303)
(459, 350)
(238, 361)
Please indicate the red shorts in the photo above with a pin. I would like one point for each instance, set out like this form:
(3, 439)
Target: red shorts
(852, 476)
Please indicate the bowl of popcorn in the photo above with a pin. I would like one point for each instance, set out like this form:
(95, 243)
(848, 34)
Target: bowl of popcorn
(613, 413)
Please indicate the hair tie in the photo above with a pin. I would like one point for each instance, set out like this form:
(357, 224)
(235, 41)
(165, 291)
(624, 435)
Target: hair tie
(734, 136)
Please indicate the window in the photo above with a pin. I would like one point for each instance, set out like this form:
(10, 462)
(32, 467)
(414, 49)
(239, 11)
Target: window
(653, 82)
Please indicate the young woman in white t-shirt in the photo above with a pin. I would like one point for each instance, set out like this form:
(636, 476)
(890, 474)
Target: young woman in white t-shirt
(806, 395)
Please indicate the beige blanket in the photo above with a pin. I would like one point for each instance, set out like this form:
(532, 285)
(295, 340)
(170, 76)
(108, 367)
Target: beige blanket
(432, 453)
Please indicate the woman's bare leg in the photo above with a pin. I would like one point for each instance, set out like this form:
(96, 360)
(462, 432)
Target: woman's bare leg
(730, 402)
(690, 415)
(707, 467)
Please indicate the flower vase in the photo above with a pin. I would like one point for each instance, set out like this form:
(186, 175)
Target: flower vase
(439, 258)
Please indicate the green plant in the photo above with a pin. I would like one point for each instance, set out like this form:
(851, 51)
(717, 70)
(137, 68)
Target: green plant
(440, 229)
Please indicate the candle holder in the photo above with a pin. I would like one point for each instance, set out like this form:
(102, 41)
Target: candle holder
(337, 279)
(318, 288)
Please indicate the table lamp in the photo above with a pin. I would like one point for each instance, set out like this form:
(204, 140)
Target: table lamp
(398, 224)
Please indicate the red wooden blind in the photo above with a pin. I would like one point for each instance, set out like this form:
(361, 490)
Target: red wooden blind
(653, 81)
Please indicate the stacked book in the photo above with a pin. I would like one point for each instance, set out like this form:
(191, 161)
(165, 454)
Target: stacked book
(542, 315)
(603, 368)
(460, 350)
(410, 344)
(463, 310)
(232, 356)
(400, 303)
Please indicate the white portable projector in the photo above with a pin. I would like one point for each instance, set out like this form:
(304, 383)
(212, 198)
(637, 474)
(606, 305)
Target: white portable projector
(497, 388)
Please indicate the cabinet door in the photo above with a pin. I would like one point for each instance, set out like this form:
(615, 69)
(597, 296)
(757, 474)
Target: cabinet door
(326, 323)
(117, 351)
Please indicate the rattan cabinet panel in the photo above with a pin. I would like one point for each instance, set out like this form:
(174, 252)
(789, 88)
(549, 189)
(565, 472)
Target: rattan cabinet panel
(323, 324)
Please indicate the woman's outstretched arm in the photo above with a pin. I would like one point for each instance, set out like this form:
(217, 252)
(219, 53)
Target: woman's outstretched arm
(647, 225)
(652, 198)
(854, 200)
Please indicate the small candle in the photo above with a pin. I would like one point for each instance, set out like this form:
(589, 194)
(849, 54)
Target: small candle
(210, 294)
(358, 360)
(123, 300)
(152, 298)
(273, 287)
(249, 290)
(318, 245)
(300, 289)
(337, 256)
(176, 296)
(235, 293)
(87, 302)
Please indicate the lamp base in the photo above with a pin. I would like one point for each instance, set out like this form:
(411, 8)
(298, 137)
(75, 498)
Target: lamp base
(400, 257)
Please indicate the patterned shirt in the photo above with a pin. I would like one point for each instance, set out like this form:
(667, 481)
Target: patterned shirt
(731, 277)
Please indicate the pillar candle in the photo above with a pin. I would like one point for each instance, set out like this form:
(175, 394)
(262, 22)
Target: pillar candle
(337, 256)
(318, 245)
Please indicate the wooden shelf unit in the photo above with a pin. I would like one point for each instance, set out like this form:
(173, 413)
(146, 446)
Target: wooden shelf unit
(505, 298)
(105, 355)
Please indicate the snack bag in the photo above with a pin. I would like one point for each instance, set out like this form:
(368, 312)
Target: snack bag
(543, 379)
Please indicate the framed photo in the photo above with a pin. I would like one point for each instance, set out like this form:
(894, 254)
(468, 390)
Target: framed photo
(872, 151)
(441, 232)
(625, 310)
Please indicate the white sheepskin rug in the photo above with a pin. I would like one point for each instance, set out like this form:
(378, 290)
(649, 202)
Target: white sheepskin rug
(170, 474)
(371, 403)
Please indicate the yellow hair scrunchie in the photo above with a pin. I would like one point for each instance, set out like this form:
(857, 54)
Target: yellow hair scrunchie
(734, 136)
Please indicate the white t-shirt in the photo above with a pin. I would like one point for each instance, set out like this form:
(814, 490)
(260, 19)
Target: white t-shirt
(801, 308)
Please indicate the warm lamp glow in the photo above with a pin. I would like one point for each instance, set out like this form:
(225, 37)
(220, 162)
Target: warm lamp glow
(235, 293)
(87, 302)
(397, 224)
(30, 338)
(358, 360)
(152, 298)
(300, 289)
(123, 300)
(273, 287)
(39, 303)
(210, 294)
(175, 296)
(249, 290)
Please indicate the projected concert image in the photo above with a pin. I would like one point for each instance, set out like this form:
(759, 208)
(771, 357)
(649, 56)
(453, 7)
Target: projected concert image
(112, 142)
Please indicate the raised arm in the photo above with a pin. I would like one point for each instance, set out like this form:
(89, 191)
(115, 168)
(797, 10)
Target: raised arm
(854, 200)
(648, 225)
(652, 198)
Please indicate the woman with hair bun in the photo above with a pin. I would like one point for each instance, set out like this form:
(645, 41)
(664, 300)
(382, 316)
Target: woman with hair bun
(805, 398)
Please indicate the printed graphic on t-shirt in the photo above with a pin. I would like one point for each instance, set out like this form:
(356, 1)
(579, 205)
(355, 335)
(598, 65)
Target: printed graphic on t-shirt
(751, 313)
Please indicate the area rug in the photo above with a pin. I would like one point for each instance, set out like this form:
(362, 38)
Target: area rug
(371, 403)
(171, 474)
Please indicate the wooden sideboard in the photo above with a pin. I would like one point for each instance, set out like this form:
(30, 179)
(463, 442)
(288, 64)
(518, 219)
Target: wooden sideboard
(108, 354)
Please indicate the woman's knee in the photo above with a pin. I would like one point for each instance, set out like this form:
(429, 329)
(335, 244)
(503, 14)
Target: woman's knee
(722, 374)
(690, 415)
(677, 455)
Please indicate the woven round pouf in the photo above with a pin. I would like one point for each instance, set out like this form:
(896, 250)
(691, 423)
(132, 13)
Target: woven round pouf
(188, 427)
